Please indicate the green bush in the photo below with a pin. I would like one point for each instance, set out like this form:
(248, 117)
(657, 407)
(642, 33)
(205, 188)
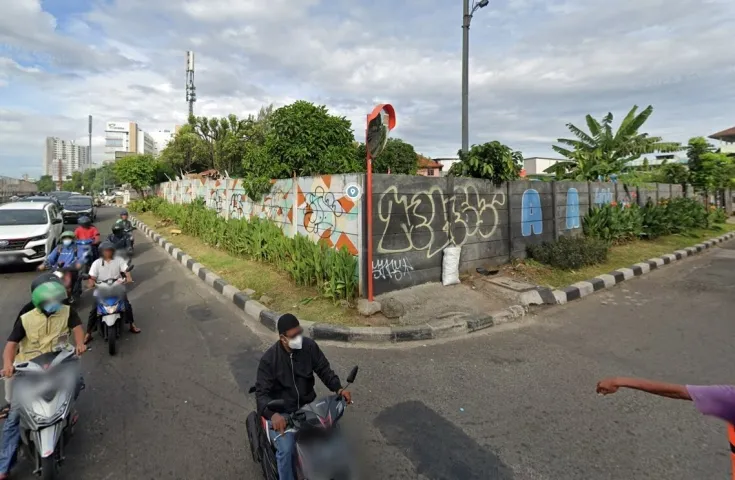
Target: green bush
(717, 215)
(613, 223)
(570, 253)
(332, 272)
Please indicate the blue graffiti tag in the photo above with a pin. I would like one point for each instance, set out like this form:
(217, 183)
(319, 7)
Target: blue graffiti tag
(572, 208)
(531, 215)
(603, 196)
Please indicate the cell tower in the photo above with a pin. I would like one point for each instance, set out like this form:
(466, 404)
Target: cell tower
(191, 95)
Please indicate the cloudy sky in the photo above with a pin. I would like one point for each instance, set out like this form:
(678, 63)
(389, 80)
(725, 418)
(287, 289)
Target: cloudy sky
(535, 65)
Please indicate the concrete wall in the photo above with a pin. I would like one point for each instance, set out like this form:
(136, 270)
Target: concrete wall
(415, 218)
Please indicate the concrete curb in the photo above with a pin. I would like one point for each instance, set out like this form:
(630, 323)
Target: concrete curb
(259, 313)
(578, 290)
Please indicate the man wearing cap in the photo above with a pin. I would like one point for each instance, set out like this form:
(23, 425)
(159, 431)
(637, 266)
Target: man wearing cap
(286, 372)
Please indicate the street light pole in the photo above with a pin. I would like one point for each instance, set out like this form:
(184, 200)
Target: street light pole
(466, 19)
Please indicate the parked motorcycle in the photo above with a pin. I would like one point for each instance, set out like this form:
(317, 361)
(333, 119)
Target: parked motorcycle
(46, 389)
(110, 305)
(322, 453)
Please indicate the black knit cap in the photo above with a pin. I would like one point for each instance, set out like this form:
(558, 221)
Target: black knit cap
(286, 322)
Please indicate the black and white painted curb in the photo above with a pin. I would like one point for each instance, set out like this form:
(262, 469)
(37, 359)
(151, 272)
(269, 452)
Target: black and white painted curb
(323, 331)
(575, 291)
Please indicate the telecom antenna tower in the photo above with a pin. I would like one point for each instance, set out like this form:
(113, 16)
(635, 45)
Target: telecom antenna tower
(191, 95)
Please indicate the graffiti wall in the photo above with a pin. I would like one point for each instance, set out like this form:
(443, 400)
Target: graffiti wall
(325, 208)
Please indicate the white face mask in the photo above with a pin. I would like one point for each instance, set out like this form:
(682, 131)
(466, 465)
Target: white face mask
(296, 343)
(66, 243)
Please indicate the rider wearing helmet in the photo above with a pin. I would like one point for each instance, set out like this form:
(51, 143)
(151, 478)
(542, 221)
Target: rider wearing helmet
(127, 225)
(66, 255)
(107, 267)
(38, 328)
(118, 237)
(87, 231)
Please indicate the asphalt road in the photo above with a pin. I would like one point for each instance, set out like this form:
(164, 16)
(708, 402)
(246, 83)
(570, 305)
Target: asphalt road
(516, 402)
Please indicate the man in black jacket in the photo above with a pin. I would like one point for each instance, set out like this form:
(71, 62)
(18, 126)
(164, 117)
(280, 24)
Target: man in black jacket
(286, 372)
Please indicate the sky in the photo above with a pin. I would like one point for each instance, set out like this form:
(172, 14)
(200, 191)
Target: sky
(535, 65)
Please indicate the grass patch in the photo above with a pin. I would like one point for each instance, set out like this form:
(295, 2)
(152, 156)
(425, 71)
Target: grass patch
(619, 256)
(304, 302)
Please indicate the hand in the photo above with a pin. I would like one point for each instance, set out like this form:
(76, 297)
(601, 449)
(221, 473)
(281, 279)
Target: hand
(607, 386)
(78, 266)
(81, 349)
(278, 422)
(41, 267)
(8, 371)
(346, 394)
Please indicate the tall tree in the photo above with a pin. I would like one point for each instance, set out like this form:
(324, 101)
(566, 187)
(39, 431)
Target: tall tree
(697, 148)
(46, 184)
(715, 171)
(398, 157)
(139, 171)
(602, 151)
(492, 161)
(73, 184)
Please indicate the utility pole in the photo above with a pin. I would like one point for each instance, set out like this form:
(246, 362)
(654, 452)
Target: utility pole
(466, 19)
(191, 95)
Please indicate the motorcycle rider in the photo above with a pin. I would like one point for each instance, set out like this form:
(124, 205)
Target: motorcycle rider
(87, 231)
(37, 330)
(127, 225)
(66, 254)
(286, 371)
(108, 266)
(118, 237)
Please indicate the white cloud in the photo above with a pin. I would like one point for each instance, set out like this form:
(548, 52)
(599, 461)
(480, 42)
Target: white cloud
(535, 65)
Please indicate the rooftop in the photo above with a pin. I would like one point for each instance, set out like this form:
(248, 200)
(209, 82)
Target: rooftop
(729, 133)
(23, 206)
(428, 163)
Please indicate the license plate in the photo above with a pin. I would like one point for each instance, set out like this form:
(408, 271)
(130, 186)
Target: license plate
(110, 320)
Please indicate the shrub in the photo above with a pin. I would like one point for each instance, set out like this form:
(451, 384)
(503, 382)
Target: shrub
(570, 253)
(332, 272)
(717, 215)
(613, 223)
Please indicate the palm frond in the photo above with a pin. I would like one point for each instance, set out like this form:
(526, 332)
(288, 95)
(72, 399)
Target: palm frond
(593, 125)
(581, 134)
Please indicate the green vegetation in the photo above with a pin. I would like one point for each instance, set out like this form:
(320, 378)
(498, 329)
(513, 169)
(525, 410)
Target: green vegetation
(332, 272)
(492, 161)
(46, 184)
(570, 253)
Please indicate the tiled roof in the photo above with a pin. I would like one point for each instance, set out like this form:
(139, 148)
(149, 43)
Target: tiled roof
(730, 132)
(429, 163)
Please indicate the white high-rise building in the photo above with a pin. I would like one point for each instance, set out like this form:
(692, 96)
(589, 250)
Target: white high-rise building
(67, 155)
(162, 139)
(125, 138)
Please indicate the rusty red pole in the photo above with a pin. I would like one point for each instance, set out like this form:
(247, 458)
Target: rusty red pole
(369, 192)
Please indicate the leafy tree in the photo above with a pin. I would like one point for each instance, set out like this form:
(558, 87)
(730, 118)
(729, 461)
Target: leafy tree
(46, 184)
(715, 171)
(306, 139)
(697, 148)
(74, 184)
(139, 171)
(181, 152)
(674, 173)
(492, 161)
(398, 156)
(104, 178)
(602, 152)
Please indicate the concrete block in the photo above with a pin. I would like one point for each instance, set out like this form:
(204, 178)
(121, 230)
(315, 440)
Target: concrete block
(411, 333)
(658, 261)
(253, 309)
(561, 297)
(249, 292)
(532, 297)
(448, 328)
(644, 266)
(269, 319)
(608, 279)
(585, 288)
(210, 277)
(627, 273)
(370, 334)
(175, 252)
(682, 253)
(196, 267)
(670, 256)
(228, 291)
(479, 322)
(366, 308)
(185, 258)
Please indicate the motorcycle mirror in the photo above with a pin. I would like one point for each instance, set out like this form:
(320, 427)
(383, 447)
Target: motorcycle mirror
(352, 375)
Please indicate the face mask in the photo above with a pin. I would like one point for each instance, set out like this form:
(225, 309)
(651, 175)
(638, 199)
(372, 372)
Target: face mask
(52, 307)
(296, 342)
(67, 243)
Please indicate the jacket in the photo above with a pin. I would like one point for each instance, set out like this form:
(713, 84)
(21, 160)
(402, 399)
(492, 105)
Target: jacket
(290, 376)
(120, 243)
(65, 255)
(90, 233)
(126, 224)
(42, 332)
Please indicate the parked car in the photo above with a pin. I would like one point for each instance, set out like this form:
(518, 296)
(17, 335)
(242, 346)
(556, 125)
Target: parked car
(79, 206)
(42, 199)
(29, 231)
(62, 197)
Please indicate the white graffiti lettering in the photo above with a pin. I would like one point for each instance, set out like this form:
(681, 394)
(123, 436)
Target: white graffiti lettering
(391, 269)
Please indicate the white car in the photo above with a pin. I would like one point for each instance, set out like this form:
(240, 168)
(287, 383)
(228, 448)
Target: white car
(29, 231)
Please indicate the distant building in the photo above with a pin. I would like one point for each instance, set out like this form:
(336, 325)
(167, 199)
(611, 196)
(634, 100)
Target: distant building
(447, 163)
(428, 167)
(67, 156)
(656, 159)
(727, 140)
(126, 137)
(537, 165)
(13, 186)
(162, 139)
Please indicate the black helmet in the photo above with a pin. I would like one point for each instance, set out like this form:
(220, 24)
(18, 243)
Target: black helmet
(124, 212)
(106, 246)
(85, 221)
(117, 229)
(43, 278)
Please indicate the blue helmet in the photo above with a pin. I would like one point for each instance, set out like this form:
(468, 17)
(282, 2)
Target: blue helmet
(124, 212)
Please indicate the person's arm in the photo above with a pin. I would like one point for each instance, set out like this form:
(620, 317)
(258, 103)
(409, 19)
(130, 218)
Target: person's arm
(264, 387)
(324, 370)
(668, 390)
(52, 257)
(94, 272)
(124, 271)
(11, 347)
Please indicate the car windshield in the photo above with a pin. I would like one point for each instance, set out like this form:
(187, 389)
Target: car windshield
(61, 196)
(78, 202)
(39, 199)
(23, 217)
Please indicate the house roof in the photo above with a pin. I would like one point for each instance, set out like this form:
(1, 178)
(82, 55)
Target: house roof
(730, 132)
(429, 163)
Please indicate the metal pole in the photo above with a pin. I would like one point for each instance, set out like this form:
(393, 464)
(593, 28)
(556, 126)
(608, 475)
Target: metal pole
(466, 18)
(369, 192)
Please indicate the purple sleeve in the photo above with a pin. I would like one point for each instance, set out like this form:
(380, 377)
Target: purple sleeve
(714, 400)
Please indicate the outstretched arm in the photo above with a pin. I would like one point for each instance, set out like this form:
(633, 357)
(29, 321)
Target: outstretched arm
(669, 390)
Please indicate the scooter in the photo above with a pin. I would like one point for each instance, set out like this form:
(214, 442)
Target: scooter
(65, 273)
(322, 453)
(46, 389)
(110, 296)
(131, 239)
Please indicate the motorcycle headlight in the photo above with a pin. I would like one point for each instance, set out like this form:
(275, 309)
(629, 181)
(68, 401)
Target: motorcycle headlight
(110, 308)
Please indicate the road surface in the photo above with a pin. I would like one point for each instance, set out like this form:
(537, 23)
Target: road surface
(516, 402)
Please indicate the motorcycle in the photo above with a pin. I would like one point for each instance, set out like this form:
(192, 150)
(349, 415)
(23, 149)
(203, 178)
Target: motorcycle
(46, 389)
(322, 453)
(110, 300)
(131, 239)
(87, 250)
(73, 283)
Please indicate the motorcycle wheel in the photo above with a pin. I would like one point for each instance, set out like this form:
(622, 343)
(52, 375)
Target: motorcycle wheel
(111, 341)
(251, 426)
(49, 468)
